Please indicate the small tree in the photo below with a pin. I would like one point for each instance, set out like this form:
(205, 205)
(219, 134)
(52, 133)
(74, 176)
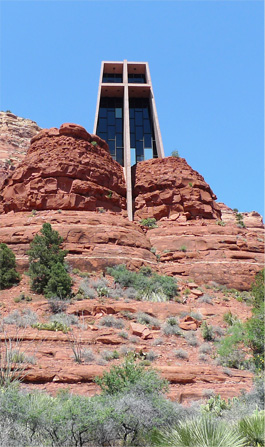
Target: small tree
(47, 270)
(8, 274)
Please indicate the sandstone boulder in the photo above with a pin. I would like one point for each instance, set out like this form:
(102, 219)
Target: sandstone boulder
(170, 187)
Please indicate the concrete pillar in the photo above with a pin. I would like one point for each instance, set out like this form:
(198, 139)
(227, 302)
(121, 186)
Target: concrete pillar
(126, 142)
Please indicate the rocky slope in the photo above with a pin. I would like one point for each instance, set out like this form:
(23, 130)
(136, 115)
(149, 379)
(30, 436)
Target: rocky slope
(53, 367)
(15, 136)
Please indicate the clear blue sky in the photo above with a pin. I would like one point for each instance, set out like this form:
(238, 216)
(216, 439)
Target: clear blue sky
(206, 63)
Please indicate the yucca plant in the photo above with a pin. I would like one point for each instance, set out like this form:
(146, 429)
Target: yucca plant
(252, 428)
(203, 432)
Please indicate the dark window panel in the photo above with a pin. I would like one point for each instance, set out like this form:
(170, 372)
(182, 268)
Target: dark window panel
(147, 126)
(132, 127)
(147, 140)
(132, 135)
(139, 148)
(119, 156)
(102, 125)
(111, 118)
(119, 125)
(119, 142)
(138, 118)
(103, 135)
(139, 133)
(146, 112)
(111, 132)
(103, 112)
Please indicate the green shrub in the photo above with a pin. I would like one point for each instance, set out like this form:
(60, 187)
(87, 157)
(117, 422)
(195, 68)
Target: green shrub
(8, 274)
(175, 154)
(47, 270)
(229, 318)
(128, 376)
(148, 285)
(207, 331)
(252, 427)
(52, 326)
(149, 222)
(203, 432)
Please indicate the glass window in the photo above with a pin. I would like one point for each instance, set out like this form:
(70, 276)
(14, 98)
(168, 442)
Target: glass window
(119, 156)
(138, 118)
(119, 140)
(111, 118)
(139, 148)
(145, 112)
(112, 77)
(103, 135)
(102, 125)
(111, 144)
(111, 132)
(118, 112)
(103, 112)
(147, 126)
(132, 135)
(119, 125)
(148, 153)
(147, 140)
(132, 125)
(139, 132)
(133, 156)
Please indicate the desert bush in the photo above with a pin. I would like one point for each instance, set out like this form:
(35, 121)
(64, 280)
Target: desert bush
(205, 299)
(203, 432)
(191, 339)
(124, 334)
(135, 339)
(205, 348)
(207, 331)
(87, 290)
(229, 318)
(64, 319)
(175, 154)
(197, 315)
(148, 285)
(144, 318)
(8, 274)
(171, 327)
(132, 377)
(252, 428)
(149, 222)
(151, 356)
(46, 264)
(109, 355)
(23, 318)
(130, 293)
(181, 354)
(52, 326)
(57, 305)
(111, 321)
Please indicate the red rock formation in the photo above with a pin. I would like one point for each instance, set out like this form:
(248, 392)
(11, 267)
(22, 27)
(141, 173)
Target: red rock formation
(93, 240)
(66, 169)
(209, 252)
(163, 187)
(15, 136)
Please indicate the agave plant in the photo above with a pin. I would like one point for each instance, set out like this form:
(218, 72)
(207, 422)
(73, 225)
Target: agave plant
(203, 432)
(252, 427)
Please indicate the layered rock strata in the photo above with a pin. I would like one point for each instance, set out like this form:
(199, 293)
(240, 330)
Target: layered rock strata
(94, 240)
(15, 136)
(165, 186)
(66, 169)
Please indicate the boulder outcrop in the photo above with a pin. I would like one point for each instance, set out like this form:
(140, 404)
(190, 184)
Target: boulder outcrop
(66, 168)
(167, 186)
